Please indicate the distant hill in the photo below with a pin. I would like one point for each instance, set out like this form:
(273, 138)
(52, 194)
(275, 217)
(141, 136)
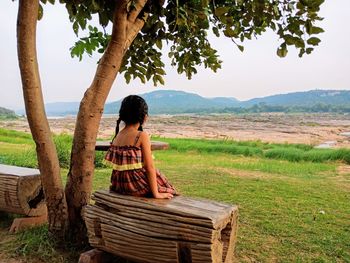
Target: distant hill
(306, 98)
(177, 102)
(172, 102)
(62, 108)
(7, 114)
(58, 109)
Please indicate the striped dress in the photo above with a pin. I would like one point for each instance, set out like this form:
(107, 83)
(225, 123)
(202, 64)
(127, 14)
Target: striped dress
(129, 177)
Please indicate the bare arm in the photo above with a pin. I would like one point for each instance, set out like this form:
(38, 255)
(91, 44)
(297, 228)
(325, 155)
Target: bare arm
(149, 166)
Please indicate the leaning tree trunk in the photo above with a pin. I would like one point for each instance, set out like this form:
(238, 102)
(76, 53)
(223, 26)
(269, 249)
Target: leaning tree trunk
(79, 184)
(39, 126)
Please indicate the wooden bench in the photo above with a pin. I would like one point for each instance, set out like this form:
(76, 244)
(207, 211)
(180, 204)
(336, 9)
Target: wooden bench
(21, 193)
(155, 145)
(151, 230)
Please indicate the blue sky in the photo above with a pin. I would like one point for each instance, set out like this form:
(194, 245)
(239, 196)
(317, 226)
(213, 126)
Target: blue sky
(256, 72)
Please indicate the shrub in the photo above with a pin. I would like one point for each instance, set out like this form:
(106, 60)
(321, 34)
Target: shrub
(63, 144)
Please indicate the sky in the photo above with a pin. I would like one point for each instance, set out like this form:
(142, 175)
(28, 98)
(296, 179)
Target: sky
(257, 72)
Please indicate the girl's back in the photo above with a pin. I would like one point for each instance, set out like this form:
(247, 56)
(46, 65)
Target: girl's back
(130, 155)
(127, 138)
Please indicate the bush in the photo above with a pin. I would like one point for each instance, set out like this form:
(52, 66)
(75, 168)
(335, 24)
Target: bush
(63, 144)
(99, 159)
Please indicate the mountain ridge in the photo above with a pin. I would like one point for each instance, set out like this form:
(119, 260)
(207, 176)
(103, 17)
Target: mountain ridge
(177, 102)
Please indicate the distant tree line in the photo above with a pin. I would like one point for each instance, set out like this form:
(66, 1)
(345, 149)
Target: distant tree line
(263, 107)
(319, 107)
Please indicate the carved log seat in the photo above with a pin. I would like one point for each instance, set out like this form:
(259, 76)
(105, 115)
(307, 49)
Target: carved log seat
(182, 229)
(21, 193)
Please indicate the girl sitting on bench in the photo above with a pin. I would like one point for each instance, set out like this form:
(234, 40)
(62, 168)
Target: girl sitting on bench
(131, 157)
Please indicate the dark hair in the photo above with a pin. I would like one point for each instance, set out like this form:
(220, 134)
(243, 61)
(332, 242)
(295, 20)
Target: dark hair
(132, 110)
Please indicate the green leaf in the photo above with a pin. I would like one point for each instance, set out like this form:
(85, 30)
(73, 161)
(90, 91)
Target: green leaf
(103, 18)
(76, 27)
(155, 81)
(142, 78)
(95, 5)
(216, 31)
(229, 32)
(308, 26)
(127, 77)
(82, 23)
(161, 80)
(316, 30)
(313, 41)
(40, 12)
(289, 39)
(221, 10)
(309, 50)
(160, 71)
(159, 43)
(300, 6)
(282, 52)
(240, 47)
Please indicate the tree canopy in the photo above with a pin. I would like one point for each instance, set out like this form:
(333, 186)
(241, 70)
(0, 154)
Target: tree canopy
(185, 26)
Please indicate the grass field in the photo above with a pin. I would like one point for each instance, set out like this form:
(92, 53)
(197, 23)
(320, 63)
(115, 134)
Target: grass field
(291, 209)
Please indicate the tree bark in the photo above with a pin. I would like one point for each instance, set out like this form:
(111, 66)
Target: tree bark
(39, 126)
(79, 183)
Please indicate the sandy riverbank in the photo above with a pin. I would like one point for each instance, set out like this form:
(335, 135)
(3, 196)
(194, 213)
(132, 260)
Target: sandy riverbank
(270, 127)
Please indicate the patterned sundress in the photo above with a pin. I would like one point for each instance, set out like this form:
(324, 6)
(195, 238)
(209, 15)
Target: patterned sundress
(129, 177)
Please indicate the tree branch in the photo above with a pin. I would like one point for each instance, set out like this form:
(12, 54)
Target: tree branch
(139, 5)
(133, 30)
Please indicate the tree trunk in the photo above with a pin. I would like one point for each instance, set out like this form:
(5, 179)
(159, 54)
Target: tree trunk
(79, 183)
(39, 126)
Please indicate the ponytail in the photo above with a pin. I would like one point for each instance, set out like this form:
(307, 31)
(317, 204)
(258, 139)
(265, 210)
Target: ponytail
(140, 128)
(116, 129)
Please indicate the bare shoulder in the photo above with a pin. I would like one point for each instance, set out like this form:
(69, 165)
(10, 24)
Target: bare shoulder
(144, 137)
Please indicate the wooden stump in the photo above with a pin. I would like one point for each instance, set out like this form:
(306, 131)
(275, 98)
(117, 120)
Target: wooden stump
(21, 191)
(20, 224)
(153, 230)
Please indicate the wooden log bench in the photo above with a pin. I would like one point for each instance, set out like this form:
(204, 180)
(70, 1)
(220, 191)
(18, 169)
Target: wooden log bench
(21, 193)
(151, 230)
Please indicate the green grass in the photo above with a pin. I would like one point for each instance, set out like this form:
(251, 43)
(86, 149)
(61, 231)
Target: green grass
(35, 245)
(12, 142)
(15, 137)
(289, 152)
(280, 204)
(290, 209)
